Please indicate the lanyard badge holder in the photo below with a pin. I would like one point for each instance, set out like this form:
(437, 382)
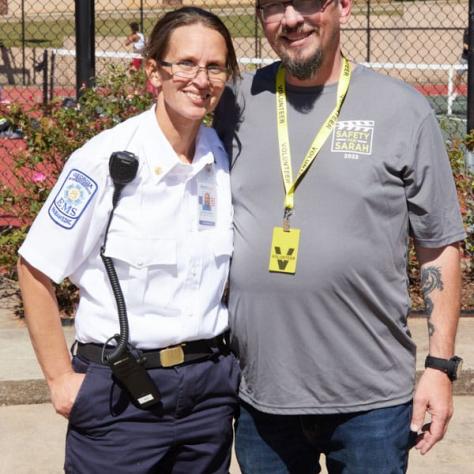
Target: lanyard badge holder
(126, 366)
(285, 240)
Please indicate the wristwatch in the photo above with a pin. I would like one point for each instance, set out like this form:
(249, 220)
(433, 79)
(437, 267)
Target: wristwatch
(451, 367)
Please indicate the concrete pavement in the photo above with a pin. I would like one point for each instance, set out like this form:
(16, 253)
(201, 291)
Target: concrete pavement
(21, 380)
(32, 435)
(32, 442)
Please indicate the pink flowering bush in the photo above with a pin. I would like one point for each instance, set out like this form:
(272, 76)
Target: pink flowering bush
(50, 136)
(38, 177)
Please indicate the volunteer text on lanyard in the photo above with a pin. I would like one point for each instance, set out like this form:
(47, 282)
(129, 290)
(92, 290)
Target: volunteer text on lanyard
(285, 241)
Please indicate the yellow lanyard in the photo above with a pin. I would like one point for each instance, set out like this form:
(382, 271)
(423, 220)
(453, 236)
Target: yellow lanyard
(319, 139)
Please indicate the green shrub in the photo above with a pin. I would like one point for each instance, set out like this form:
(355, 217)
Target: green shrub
(465, 188)
(52, 135)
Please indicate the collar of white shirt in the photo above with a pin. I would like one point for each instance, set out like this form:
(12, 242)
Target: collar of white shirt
(160, 155)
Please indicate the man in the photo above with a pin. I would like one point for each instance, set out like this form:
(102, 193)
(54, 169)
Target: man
(318, 285)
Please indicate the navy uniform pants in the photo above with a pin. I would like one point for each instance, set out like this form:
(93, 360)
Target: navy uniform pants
(189, 433)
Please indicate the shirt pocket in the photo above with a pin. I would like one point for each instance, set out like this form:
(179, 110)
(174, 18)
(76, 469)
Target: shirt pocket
(139, 260)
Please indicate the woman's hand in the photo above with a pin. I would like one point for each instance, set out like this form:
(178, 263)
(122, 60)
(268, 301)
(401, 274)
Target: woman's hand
(64, 391)
(46, 333)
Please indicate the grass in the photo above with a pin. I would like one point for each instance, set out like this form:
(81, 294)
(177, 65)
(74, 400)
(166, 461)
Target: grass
(49, 33)
(39, 34)
(387, 9)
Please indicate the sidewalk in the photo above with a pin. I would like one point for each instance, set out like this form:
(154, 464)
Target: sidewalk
(21, 380)
(32, 442)
(32, 435)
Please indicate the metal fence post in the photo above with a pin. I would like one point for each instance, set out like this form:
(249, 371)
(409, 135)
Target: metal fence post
(367, 56)
(470, 70)
(257, 51)
(51, 75)
(45, 77)
(85, 44)
(23, 40)
(142, 26)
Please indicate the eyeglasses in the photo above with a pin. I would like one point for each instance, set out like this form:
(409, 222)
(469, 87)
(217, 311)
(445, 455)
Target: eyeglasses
(189, 70)
(273, 12)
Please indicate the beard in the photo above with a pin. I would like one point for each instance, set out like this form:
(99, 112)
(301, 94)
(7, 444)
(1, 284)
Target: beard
(303, 68)
(300, 67)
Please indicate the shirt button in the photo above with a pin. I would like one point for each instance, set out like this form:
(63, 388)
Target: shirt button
(139, 264)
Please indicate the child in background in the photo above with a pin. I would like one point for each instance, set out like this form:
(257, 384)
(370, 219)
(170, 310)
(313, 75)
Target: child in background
(137, 40)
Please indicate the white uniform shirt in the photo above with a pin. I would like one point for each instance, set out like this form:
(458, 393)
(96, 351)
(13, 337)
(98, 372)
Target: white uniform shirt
(172, 265)
(139, 45)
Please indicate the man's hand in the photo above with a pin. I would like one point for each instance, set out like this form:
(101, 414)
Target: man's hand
(64, 392)
(433, 396)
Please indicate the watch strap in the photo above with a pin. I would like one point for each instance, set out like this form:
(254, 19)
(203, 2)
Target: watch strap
(448, 366)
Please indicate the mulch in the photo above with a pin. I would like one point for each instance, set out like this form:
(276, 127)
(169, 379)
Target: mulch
(9, 295)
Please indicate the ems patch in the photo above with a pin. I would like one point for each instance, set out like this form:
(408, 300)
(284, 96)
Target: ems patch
(353, 138)
(72, 199)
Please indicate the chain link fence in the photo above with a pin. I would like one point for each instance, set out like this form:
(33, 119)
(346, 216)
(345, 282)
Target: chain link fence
(418, 41)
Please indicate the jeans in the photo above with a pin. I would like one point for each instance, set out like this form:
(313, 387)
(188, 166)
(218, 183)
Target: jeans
(370, 442)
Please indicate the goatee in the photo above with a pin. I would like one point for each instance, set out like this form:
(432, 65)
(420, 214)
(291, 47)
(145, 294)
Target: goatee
(303, 68)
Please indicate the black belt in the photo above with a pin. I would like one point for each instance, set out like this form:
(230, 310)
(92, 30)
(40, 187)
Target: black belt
(192, 351)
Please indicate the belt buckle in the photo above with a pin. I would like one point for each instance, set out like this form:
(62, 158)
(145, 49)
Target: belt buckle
(172, 356)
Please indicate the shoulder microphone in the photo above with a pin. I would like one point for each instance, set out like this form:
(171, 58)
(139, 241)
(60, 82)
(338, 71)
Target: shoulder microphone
(123, 167)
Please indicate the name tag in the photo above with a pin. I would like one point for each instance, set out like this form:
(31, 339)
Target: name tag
(284, 251)
(207, 198)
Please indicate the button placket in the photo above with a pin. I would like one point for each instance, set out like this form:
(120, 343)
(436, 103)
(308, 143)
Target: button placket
(192, 286)
(194, 274)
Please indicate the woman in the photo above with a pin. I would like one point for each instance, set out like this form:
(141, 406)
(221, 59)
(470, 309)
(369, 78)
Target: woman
(171, 257)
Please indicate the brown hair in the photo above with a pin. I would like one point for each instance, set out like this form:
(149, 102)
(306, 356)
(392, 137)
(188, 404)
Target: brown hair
(134, 26)
(159, 38)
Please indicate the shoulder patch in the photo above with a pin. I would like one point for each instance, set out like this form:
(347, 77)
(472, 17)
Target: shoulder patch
(72, 199)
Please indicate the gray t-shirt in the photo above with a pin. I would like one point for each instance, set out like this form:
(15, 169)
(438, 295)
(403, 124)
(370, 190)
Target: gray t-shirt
(333, 337)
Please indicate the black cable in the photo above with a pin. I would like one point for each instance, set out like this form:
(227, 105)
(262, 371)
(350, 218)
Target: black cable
(123, 168)
(115, 199)
(122, 338)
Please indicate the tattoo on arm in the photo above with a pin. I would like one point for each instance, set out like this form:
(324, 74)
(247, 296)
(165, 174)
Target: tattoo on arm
(430, 280)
